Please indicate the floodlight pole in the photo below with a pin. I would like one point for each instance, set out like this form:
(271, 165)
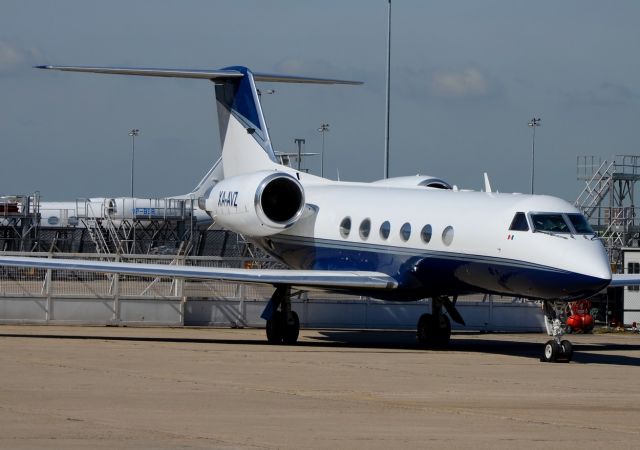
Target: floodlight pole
(133, 133)
(388, 99)
(323, 129)
(533, 123)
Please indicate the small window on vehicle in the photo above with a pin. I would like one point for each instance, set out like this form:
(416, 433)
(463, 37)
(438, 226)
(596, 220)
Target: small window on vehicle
(425, 233)
(53, 220)
(580, 224)
(519, 222)
(552, 223)
(73, 221)
(385, 229)
(447, 235)
(365, 228)
(345, 227)
(405, 231)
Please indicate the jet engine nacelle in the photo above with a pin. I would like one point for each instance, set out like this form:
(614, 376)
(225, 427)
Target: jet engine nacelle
(257, 204)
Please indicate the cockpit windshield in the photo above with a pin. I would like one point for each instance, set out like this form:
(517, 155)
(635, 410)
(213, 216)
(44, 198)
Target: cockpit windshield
(580, 224)
(552, 223)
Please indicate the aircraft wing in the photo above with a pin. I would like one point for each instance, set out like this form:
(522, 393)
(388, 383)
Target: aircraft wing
(328, 279)
(624, 279)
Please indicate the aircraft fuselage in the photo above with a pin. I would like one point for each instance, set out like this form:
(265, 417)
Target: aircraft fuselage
(443, 242)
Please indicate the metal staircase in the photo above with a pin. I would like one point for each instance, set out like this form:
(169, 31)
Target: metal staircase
(607, 200)
(97, 234)
(596, 188)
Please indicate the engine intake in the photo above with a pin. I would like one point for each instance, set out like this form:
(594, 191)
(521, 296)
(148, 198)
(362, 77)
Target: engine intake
(257, 204)
(281, 199)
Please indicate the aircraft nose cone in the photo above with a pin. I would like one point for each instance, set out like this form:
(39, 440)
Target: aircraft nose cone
(592, 263)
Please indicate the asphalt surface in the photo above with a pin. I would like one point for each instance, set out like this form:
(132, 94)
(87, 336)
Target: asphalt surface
(163, 388)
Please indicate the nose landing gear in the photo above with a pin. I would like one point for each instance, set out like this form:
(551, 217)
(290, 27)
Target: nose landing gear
(556, 349)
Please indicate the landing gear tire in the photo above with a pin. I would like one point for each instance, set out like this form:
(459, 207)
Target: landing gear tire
(275, 329)
(551, 351)
(434, 332)
(567, 350)
(291, 329)
(425, 333)
(279, 330)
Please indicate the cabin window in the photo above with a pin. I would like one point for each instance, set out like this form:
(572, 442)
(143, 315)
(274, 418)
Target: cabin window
(365, 228)
(405, 232)
(53, 220)
(345, 227)
(519, 222)
(447, 236)
(425, 233)
(552, 223)
(385, 229)
(580, 224)
(73, 221)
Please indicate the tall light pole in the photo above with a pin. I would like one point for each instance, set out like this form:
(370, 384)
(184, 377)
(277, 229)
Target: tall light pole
(388, 99)
(533, 123)
(133, 133)
(323, 129)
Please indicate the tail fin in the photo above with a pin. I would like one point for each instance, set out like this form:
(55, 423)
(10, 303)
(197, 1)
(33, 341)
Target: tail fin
(246, 146)
(244, 136)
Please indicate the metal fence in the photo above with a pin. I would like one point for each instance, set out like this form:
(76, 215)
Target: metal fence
(68, 296)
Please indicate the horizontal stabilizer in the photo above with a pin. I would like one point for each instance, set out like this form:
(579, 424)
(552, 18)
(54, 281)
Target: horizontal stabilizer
(195, 73)
(327, 279)
(271, 78)
(150, 72)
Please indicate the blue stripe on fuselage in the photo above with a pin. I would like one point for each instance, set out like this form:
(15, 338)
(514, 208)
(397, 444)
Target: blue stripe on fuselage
(424, 274)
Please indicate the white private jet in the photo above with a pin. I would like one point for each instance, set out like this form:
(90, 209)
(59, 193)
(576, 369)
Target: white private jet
(405, 238)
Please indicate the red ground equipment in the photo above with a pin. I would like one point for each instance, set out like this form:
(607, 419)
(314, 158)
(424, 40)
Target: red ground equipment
(580, 318)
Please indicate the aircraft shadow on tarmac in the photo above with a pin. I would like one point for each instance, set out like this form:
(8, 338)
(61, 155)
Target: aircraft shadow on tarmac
(389, 340)
(598, 353)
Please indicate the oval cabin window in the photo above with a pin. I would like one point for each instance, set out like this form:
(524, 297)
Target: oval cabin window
(345, 227)
(365, 228)
(405, 232)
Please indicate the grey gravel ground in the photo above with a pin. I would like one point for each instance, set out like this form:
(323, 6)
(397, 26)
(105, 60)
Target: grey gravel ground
(160, 388)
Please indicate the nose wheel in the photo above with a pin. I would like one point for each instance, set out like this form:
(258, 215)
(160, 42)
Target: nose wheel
(556, 349)
(557, 352)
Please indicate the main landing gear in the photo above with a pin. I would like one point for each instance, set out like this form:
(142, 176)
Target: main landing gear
(283, 324)
(556, 349)
(434, 330)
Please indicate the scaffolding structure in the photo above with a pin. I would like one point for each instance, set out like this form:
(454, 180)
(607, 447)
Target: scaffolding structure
(608, 201)
(154, 227)
(19, 221)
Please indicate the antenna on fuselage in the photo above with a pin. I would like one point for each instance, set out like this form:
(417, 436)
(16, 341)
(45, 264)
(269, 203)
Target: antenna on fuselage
(487, 184)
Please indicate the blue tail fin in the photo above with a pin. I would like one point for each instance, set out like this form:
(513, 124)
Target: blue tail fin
(244, 136)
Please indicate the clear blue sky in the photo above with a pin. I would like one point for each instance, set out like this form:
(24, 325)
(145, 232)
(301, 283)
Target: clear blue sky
(466, 78)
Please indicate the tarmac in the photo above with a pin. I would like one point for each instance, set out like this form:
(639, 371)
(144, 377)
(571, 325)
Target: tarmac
(168, 388)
